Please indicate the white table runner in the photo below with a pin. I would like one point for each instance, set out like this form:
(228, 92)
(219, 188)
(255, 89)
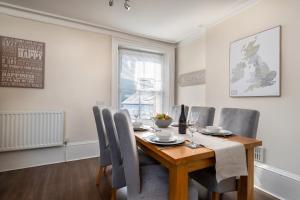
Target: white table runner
(230, 156)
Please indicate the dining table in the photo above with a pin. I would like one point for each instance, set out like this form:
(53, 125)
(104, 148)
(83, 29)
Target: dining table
(180, 160)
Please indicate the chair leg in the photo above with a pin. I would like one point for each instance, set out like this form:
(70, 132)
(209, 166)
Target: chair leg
(215, 196)
(113, 194)
(104, 170)
(100, 172)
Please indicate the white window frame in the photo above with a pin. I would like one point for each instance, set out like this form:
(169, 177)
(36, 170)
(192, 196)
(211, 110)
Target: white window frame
(169, 68)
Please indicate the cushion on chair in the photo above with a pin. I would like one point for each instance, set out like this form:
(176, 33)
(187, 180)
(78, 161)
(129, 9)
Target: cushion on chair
(207, 178)
(155, 184)
(176, 111)
(144, 159)
(240, 121)
(205, 115)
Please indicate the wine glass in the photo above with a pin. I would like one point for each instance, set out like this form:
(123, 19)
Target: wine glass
(135, 115)
(192, 128)
(153, 123)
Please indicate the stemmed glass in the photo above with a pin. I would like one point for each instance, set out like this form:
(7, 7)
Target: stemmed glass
(153, 119)
(136, 115)
(192, 128)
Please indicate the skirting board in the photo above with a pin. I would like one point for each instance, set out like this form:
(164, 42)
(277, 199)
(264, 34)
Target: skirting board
(82, 150)
(276, 182)
(36, 157)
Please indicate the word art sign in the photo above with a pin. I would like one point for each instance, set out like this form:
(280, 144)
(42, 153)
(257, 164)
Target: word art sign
(22, 63)
(192, 78)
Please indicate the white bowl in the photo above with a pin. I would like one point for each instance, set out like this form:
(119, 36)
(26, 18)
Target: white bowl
(163, 123)
(213, 129)
(164, 135)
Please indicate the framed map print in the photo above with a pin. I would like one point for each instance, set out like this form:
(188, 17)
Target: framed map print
(255, 65)
(22, 63)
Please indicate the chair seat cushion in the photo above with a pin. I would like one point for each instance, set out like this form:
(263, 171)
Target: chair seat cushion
(207, 178)
(154, 185)
(154, 182)
(144, 159)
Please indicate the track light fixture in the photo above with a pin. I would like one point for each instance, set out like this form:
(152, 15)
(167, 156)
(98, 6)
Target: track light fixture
(126, 4)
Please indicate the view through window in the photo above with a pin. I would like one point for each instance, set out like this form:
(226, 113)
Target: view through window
(140, 83)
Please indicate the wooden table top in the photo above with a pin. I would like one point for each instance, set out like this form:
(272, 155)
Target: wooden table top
(180, 154)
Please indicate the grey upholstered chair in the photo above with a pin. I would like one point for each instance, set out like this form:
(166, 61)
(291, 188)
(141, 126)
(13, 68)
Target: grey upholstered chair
(204, 115)
(103, 143)
(148, 182)
(126, 112)
(144, 159)
(176, 111)
(118, 178)
(241, 122)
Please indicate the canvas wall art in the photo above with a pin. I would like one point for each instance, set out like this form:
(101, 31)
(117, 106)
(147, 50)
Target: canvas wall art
(255, 65)
(22, 63)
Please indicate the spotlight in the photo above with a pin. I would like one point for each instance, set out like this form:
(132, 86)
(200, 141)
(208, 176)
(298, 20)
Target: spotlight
(111, 3)
(126, 5)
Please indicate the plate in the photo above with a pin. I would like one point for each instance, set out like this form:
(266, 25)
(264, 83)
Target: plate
(140, 129)
(178, 140)
(157, 139)
(220, 133)
(176, 125)
(205, 130)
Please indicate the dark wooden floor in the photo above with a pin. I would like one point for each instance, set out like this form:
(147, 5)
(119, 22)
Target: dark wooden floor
(65, 181)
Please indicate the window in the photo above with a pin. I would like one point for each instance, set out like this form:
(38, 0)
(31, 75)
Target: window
(140, 82)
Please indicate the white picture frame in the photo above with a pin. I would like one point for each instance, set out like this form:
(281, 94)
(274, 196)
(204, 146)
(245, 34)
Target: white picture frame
(255, 65)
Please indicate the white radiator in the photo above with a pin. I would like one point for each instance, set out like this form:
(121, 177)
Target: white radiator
(28, 130)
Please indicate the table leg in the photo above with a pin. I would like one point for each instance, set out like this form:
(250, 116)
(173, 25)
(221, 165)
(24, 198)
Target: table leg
(246, 183)
(178, 183)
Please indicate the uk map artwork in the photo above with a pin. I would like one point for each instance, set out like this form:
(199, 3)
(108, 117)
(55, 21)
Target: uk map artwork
(255, 65)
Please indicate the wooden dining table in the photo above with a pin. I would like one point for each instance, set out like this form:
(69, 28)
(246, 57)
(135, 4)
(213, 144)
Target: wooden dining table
(181, 160)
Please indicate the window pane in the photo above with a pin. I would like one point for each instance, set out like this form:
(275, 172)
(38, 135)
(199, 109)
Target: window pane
(140, 83)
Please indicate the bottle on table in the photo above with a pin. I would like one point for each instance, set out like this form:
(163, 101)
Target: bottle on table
(182, 121)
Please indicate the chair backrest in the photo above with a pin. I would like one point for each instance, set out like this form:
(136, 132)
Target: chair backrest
(204, 115)
(240, 121)
(103, 141)
(176, 111)
(129, 153)
(126, 112)
(118, 176)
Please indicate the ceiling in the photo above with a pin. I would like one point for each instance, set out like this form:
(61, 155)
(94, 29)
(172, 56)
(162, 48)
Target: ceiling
(165, 20)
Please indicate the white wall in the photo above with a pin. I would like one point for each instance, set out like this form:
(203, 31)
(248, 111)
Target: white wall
(190, 56)
(278, 125)
(78, 72)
